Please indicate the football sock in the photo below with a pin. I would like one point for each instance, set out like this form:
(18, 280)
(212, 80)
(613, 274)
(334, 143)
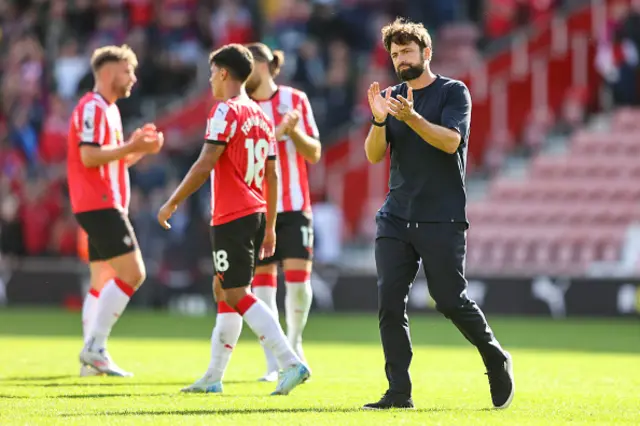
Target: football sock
(89, 311)
(265, 325)
(224, 338)
(265, 287)
(297, 304)
(113, 299)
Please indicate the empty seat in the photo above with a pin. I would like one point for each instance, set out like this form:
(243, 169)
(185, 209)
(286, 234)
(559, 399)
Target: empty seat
(626, 119)
(568, 212)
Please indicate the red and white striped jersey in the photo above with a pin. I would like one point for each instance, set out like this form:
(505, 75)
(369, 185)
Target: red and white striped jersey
(238, 188)
(293, 191)
(96, 122)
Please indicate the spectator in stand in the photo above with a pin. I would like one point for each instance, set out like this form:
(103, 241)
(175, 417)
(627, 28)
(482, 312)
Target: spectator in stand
(22, 101)
(63, 239)
(310, 71)
(53, 138)
(69, 68)
(11, 239)
(140, 12)
(231, 22)
(617, 56)
(629, 32)
(339, 86)
(43, 67)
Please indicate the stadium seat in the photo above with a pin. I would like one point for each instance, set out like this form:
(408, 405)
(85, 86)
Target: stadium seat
(569, 210)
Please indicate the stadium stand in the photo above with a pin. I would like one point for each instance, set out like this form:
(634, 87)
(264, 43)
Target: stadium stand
(569, 210)
(532, 74)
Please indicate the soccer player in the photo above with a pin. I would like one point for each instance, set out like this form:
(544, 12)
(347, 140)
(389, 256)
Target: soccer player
(297, 136)
(239, 155)
(98, 178)
(425, 123)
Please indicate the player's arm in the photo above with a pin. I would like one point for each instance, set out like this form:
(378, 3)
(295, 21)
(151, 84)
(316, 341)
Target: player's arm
(199, 172)
(132, 159)
(308, 146)
(268, 246)
(94, 154)
(306, 139)
(221, 126)
(271, 176)
(455, 119)
(375, 144)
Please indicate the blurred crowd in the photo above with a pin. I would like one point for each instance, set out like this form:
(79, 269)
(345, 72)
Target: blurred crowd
(617, 58)
(333, 52)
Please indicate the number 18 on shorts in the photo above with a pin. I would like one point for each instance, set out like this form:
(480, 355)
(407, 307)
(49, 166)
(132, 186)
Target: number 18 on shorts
(236, 245)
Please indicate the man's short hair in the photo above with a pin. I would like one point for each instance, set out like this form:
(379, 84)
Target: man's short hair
(106, 54)
(235, 58)
(402, 32)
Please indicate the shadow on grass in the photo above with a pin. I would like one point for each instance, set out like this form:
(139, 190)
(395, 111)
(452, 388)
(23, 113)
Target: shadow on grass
(124, 382)
(103, 395)
(231, 411)
(36, 378)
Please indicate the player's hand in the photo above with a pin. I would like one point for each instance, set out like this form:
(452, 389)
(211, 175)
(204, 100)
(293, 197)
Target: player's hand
(377, 103)
(165, 213)
(401, 108)
(268, 247)
(293, 118)
(144, 140)
(288, 123)
(159, 142)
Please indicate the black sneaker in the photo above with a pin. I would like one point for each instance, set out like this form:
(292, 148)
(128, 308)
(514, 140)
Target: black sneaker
(391, 400)
(501, 383)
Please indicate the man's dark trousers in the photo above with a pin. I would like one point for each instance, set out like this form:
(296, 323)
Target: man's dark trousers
(399, 247)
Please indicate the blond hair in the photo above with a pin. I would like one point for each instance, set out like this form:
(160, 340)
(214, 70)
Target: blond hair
(107, 54)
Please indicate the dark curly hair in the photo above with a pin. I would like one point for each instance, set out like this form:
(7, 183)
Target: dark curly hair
(402, 32)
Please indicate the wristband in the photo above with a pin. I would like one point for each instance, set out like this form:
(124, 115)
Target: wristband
(378, 124)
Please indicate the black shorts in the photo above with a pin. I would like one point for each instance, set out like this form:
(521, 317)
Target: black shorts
(236, 246)
(109, 232)
(294, 237)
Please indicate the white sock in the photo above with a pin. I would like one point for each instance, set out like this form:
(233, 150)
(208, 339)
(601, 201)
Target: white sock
(114, 297)
(89, 311)
(297, 303)
(224, 338)
(265, 325)
(267, 294)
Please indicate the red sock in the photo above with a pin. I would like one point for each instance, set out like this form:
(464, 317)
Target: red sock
(292, 277)
(245, 303)
(224, 308)
(126, 288)
(265, 280)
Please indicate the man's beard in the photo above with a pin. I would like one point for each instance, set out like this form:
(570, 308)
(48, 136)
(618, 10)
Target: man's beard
(410, 72)
(123, 91)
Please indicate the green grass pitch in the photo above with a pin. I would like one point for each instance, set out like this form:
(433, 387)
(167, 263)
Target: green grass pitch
(567, 372)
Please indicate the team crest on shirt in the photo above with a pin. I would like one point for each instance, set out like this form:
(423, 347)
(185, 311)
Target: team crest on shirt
(283, 109)
(118, 135)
